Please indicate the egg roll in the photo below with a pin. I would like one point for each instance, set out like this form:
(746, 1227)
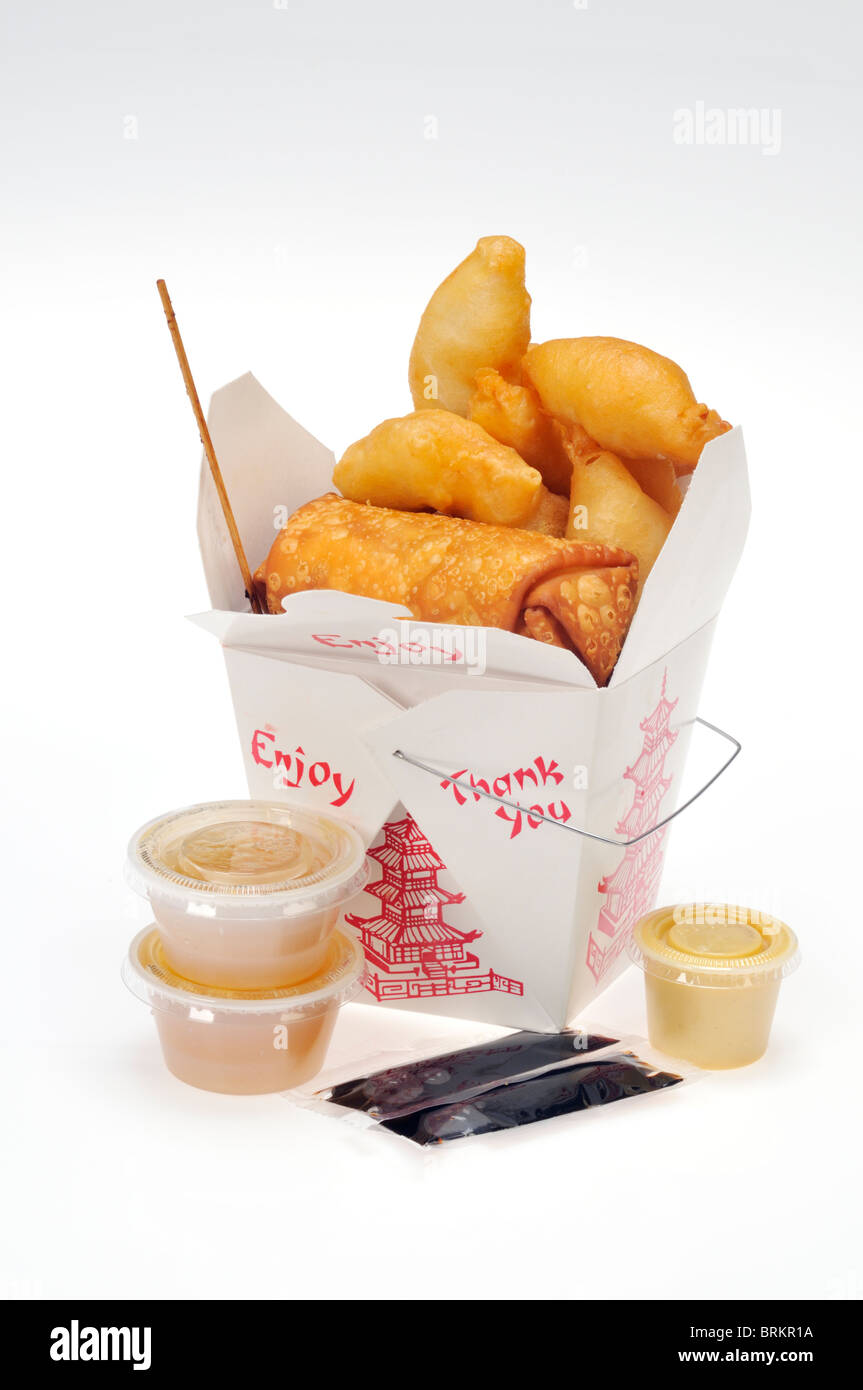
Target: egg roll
(448, 570)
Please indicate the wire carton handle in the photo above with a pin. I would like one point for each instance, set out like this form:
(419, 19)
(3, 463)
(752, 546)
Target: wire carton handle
(574, 829)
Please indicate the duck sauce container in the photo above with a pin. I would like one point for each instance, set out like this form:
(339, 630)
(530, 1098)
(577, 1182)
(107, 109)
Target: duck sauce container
(243, 1042)
(246, 894)
(712, 973)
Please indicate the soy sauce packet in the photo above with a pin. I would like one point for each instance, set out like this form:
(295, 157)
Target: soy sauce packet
(559, 1091)
(460, 1075)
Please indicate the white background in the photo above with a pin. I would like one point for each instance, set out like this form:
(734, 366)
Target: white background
(281, 181)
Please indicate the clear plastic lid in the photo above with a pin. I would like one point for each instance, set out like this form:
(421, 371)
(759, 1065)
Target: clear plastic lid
(244, 857)
(714, 945)
(148, 975)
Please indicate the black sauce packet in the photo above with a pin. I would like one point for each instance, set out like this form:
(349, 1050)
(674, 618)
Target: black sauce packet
(454, 1076)
(583, 1086)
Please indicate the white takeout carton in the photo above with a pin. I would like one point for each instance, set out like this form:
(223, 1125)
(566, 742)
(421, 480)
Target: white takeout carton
(490, 910)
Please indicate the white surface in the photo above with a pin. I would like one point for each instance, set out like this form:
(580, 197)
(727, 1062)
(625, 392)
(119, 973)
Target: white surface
(282, 185)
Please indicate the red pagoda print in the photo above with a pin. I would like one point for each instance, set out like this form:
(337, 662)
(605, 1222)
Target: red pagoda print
(411, 951)
(631, 889)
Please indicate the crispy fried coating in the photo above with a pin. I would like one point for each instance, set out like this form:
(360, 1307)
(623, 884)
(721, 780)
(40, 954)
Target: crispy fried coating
(512, 414)
(433, 459)
(446, 570)
(549, 516)
(478, 317)
(628, 398)
(658, 479)
(607, 506)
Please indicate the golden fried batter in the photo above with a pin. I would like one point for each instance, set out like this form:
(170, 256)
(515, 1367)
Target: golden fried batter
(628, 398)
(608, 506)
(446, 570)
(549, 515)
(478, 317)
(435, 460)
(512, 413)
(658, 479)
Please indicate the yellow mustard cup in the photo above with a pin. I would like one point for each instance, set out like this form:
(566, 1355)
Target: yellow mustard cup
(712, 973)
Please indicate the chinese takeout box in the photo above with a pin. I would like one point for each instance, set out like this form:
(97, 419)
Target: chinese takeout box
(495, 910)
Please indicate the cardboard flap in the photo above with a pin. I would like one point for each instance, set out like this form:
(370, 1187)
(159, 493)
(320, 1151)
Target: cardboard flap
(270, 465)
(317, 621)
(370, 634)
(688, 582)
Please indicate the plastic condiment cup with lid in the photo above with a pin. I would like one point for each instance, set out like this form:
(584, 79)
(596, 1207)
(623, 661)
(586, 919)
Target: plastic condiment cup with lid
(243, 1042)
(712, 975)
(246, 894)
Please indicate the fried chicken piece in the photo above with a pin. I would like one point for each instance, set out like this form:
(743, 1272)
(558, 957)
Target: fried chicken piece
(607, 506)
(658, 479)
(627, 398)
(549, 516)
(479, 317)
(435, 460)
(512, 414)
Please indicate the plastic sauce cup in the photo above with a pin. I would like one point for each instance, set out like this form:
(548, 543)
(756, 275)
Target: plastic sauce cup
(712, 975)
(243, 1042)
(246, 894)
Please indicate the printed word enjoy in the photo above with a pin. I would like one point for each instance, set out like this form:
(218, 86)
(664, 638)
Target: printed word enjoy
(389, 649)
(297, 771)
